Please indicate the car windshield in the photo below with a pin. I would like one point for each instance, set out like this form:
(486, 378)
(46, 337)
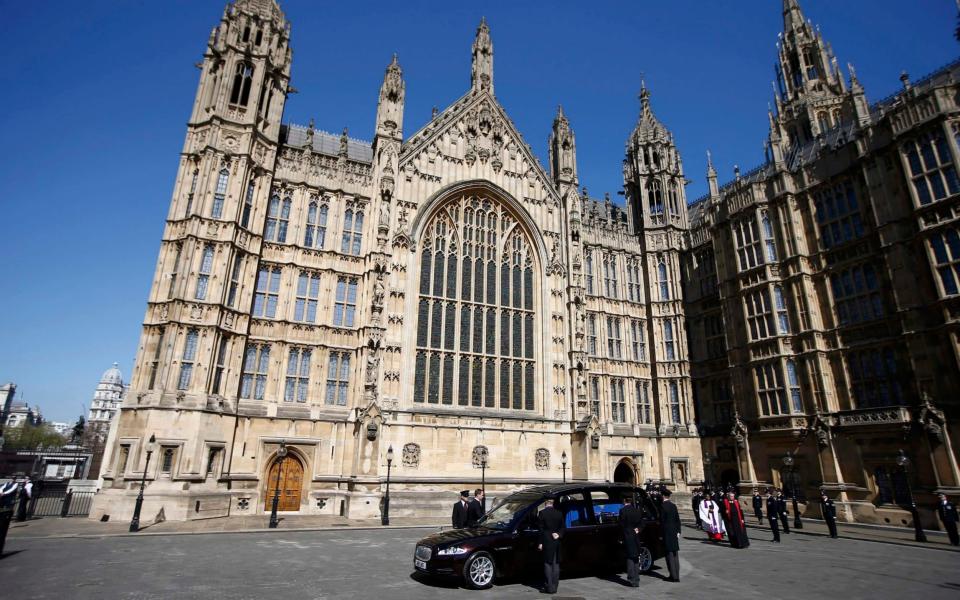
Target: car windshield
(503, 514)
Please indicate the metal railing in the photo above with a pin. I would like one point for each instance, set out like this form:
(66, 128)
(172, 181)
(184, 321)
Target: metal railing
(61, 504)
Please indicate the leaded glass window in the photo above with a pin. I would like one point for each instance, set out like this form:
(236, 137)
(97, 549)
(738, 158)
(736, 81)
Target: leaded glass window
(267, 295)
(298, 375)
(588, 271)
(186, 363)
(618, 404)
(316, 231)
(338, 378)
(352, 231)
(206, 267)
(595, 396)
(308, 294)
(663, 280)
(278, 218)
(644, 412)
(345, 302)
(675, 402)
(475, 317)
(223, 178)
(256, 363)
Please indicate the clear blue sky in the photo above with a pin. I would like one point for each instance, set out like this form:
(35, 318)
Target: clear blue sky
(96, 95)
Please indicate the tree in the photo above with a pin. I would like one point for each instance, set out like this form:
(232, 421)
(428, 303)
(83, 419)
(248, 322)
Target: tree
(31, 437)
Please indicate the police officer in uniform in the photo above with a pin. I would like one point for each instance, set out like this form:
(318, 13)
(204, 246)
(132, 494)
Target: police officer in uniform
(829, 513)
(631, 521)
(758, 506)
(697, 497)
(948, 516)
(782, 511)
(551, 531)
(773, 506)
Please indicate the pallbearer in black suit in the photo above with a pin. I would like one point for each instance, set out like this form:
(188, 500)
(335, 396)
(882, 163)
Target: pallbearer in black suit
(782, 511)
(631, 521)
(733, 518)
(948, 515)
(772, 507)
(758, 506)
(670, 525)
(461, 510)
(697, 497)
(829, 513)
(551, 531)
(475, 508)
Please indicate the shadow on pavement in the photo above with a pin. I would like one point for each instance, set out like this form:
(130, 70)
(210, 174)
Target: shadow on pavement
(9, 554)
(437, 582)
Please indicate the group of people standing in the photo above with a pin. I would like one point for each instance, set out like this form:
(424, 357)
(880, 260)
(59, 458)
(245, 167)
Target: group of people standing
(467, 511)
(718, 514)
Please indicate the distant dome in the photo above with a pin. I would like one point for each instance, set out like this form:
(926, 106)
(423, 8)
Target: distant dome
(112, 375)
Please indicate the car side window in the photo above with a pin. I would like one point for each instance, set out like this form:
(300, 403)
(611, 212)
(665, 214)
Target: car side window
(531, 520)
(574, 510)
(606, 506)
(649, 510)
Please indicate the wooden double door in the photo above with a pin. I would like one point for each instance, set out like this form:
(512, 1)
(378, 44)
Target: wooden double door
(291, 484)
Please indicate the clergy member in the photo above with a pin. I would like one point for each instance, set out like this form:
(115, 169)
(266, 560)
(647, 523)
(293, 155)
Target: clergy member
(712, 520)
(733, 519)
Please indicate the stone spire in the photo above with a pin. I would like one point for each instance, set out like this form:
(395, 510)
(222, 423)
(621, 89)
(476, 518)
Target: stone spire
(792, 16)
(391, 102)
(563, 150)
(712, 177)
(481, 75)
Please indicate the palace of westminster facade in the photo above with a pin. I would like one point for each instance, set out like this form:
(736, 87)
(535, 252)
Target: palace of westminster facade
(443, 299)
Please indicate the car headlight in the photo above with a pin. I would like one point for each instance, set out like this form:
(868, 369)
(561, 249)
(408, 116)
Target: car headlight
(452, 551)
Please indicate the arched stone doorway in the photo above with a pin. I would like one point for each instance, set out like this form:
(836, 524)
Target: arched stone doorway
(290, 470)
(624, 473)
(730, 479)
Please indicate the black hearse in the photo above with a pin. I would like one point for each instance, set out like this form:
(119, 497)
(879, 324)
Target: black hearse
(504, 542)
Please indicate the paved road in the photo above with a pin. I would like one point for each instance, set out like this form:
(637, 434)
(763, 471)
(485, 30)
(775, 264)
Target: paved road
(377, 564)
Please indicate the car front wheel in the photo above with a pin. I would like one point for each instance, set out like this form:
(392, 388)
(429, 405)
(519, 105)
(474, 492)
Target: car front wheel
(646, 559)
(478, 571)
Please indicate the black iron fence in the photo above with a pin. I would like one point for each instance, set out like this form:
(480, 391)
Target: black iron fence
(59, 503)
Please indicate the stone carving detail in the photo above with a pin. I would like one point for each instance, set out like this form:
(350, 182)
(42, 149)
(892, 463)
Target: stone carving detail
(411, 456)
(480, 456)
(243, 503)
(542, 459)
(931, 418)
(739, 431)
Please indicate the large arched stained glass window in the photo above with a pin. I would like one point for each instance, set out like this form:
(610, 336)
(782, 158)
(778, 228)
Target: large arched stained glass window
(475, 311)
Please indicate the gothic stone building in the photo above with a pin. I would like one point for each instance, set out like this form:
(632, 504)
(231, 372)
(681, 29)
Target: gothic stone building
(440, 294)
(822, 292)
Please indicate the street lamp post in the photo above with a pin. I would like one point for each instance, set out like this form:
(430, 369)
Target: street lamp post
(483, 481)
(903, 461)
(788, 461)
(385, 517)
(708, 474)
(563, 463)
(135, 521)
(281, 454)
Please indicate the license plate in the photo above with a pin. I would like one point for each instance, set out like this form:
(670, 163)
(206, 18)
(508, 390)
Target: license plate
(420, 564)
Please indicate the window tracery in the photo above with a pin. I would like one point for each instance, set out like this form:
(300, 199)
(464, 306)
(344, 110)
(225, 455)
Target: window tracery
(475, 315)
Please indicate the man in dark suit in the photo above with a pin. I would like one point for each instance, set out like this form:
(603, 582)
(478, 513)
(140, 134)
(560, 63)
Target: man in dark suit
(773, 507)
(948, 516)
(782, 511)
(670, 526)
(697, 497)
(551, 531)
(829, 513)
(758, 506)
(631, 521)
(475, 508)
(461, 510)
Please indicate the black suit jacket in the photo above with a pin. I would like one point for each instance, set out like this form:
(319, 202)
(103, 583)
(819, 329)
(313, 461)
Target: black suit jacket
(773, 507)
(631, 518)
(947, 512)
(697, 498)
(551, 521)
(757, 503)
(829, 511)
(782, 505)
(460, 515)
(474, 512)
(670, 523)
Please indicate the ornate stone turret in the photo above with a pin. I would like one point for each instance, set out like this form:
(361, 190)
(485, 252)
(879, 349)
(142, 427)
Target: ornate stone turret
(563, 151)
(390, 105)
(653, 173)
(811, 85)
(481, 75)
(712, 179)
